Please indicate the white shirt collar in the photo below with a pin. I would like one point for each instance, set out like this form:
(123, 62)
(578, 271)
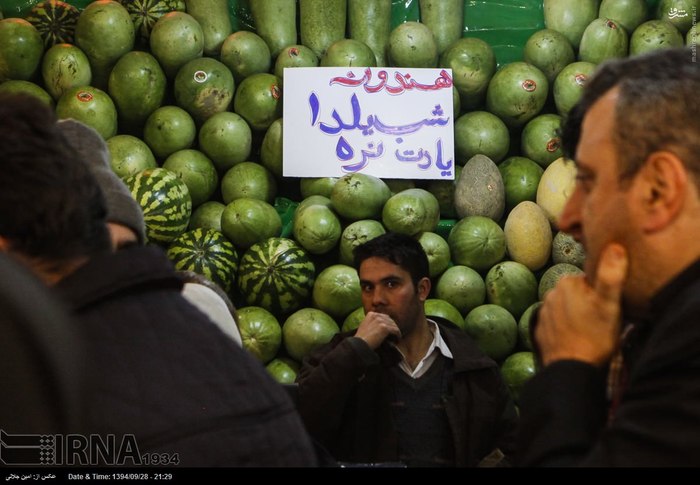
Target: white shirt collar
(438, 345)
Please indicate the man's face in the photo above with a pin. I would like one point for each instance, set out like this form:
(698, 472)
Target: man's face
(387, 288)
(601, 209)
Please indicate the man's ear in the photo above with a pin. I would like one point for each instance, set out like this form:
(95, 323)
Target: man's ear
(664, 186)
(423, 288)
(4, 245)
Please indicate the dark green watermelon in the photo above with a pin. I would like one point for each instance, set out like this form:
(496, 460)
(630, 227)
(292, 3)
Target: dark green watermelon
(165, 201)
(207, 252)
(145, 13)
(55, 21)
(276, 274)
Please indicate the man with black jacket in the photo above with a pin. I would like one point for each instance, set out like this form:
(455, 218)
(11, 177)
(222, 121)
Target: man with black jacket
(621, 346)
(404, 389)
(155, 367)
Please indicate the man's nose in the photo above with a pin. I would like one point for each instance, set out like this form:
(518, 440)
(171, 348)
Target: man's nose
(378, 297)
(570, 219)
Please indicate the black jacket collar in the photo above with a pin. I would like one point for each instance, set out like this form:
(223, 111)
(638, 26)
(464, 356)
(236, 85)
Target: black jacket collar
(125, 270)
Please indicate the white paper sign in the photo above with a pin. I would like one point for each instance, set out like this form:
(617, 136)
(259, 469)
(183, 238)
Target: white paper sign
(386, 122)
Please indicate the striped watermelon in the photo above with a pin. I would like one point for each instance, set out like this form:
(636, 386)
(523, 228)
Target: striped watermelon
(165, 201)
(277, 275)
(145, 13)
(55, 21)
(207, 252)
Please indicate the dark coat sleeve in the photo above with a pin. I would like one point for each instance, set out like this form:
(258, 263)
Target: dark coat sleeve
(506, 428)
(326, 380)
(562, 411)
(563, 419)
(486, 421)
(563, 408)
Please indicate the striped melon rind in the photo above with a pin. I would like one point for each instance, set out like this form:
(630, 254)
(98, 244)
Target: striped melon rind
(276, 274)
(207, 252)
(55, 21)
(165, 201)
(145, 13)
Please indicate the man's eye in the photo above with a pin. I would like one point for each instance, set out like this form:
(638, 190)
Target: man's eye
(584, 181)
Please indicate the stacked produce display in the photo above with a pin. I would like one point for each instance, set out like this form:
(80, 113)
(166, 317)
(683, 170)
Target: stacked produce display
(188, 95)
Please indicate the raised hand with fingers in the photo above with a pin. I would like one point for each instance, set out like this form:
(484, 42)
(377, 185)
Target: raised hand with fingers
(376, 327)
(580, 321)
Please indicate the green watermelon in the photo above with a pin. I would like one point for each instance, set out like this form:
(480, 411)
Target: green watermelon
(165, 201)
(568, 85)
(517, 93)
(353, 320)
(477, 242)
(207, 252)
(570, 17)
(261, 333)
(603, 39)
(317, 228)
(276, 274)
(305, 330)
(630, 14)
(411, 211)
(355, 234)
(55, 21)
(550, 51)
(283, 370)
(512, 286)
(21, 51)
(653, 35)
(516, 370)
(27, 87)
(494, 330)
(145, 13)
(540, 140)
(681, 13)
(435, 307)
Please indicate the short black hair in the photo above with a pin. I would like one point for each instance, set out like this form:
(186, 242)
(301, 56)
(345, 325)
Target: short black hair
(52, 208)
(657, 108)
(399, 249)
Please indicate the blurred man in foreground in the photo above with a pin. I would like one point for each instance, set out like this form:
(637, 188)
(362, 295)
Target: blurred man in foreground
(127, 227)
(621, 346)
(155, 367)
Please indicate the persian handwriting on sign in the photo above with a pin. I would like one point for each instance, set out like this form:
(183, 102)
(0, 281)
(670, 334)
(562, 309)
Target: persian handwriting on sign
(405, 82)
(417, 156)
(372, 120)
(382, 121)
(345, 152)
(676, 13)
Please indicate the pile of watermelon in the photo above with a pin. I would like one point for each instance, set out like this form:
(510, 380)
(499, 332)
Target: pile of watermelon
(188, 96)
